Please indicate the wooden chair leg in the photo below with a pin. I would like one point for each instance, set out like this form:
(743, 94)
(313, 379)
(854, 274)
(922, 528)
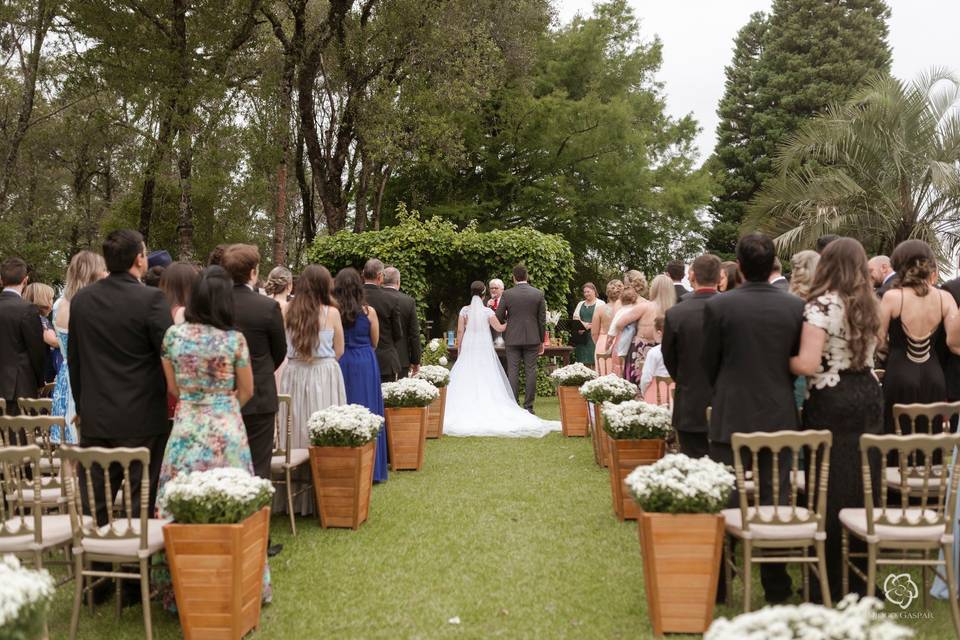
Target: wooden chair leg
(805, 575)
(77, 595)
(747, 575)
(727, 568)
(822, 571)
(293, 523)
(871, 569)
(925, 576)
(145, 596)
(952, 587)
(845, 562)
(118, 592)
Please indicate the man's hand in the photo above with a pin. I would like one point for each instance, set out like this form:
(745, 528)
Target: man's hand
(543, 348)
(414, 369)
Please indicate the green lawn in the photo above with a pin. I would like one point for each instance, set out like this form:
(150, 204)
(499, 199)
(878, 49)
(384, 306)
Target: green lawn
(516, 538)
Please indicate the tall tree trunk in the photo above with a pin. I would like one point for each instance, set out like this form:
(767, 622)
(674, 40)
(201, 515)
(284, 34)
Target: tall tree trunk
(286, 111)
(383, 174)
(306, 194)
(153, 166)
(184, 131)
(360, 221)
(185, 223)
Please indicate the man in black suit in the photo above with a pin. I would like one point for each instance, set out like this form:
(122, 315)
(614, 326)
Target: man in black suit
(22, 350)
(682, 346)
(882, 274)
(116, 334)
(408, 349)
(259, 319)
(387, 306)
(524, 311)
(777, 278)
(675, 270)
(750, 334)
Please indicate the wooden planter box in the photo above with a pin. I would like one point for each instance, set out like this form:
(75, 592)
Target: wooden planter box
(342, 480)
(574, 413)
(625, 456)
(435, 416)
(217, 572)
(681, 565)
(598, 437)
(406, 437)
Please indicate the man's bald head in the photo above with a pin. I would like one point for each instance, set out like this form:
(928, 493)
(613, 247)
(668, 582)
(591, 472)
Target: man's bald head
(880, 268)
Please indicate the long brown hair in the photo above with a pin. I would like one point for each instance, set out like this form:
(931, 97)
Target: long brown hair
(303, 315)
(843, 269)
(177, 283)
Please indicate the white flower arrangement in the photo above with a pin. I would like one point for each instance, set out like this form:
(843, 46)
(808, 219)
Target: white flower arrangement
(679, 484)
(217, 496)
(608, 388)
(409, 392)
(553, 317)
(573, 375)
(636, 420)
(851, 619)
(350, 425)
(25, 596)
(434, 353)
(436, 375)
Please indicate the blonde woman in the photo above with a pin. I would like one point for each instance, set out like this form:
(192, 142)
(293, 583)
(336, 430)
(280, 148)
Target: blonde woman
(41, 296)
(85, 268)
(663, 295)
(803, 267)
(602, 325)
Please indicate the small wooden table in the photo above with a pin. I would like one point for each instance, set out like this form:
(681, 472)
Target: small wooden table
(552, 351)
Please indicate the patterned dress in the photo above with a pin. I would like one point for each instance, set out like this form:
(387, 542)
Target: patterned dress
(63, 404)
(208, 431)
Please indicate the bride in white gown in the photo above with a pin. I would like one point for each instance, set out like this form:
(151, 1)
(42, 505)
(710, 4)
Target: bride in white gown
(480, 401)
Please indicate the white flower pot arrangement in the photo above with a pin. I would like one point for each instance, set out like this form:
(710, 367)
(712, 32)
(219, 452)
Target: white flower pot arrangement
(637, 432)
(574, 411)
(609, 388)
(680, 499)
(342, 456)
(222, 524)
(434, 353)
(439, 377)
(25, 596)
(406, 405)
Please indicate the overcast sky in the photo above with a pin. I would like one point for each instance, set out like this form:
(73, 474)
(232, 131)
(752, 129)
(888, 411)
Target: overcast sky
(698, 35)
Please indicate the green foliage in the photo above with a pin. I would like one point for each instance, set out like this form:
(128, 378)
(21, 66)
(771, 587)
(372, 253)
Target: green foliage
(437, 262)
(546, 388)
(433, 350)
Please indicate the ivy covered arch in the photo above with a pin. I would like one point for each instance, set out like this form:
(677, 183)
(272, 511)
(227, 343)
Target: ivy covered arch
(437, 262)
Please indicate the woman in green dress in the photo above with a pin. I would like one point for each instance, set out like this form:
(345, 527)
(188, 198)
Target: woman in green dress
(583, 322)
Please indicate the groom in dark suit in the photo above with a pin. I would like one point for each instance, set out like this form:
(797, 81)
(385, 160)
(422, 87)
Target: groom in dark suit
(22, 350)
(524, 310)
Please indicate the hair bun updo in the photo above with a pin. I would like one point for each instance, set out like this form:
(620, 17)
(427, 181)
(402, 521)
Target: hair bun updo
(915, 264)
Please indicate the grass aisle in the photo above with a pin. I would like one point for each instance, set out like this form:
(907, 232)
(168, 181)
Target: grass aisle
(516, 538)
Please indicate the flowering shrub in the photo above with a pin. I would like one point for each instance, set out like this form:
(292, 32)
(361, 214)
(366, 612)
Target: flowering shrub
(573, 375)
(608, 388)
(435, 375)
(851, 619)
(409, 392)
(434, 353)
(215, 496)
(679, 484)
(348, 425)
(25, 596)
(636, 420)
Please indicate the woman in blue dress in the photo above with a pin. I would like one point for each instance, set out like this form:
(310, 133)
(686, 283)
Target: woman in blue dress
(361, 373)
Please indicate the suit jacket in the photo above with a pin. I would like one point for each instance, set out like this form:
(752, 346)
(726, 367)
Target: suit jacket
(680, 290)
(116, 336)
(953, 360)
(524, 309)
(886, 286)
(259, 319)
(781, 283)
(681, 347)
(22, 350)
(750, 334)
(387, 307)
(408, 349)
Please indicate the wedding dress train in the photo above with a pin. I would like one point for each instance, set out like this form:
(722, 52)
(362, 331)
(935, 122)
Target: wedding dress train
(480, 401)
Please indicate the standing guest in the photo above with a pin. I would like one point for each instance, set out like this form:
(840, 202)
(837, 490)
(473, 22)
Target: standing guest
(919, 323)
(216, 255)
(750, 334)
(41, 296)
(662, 297)
(953, 362)
(675, 269)
(279, 286)
(116, 329)
(840, 334)
(804, 265)
(388, 314)
(621, 333)
(730, 276)
(177, 284)
(777, 278)
(882, 274)
(361, 372)
(312, 377)
(825, 240)
(682, 346)
(588, 312)
(86, 267)
(261, 322)
(22, 349)
(152, 277)
(408, 349)
(601, 326)
(653, 367)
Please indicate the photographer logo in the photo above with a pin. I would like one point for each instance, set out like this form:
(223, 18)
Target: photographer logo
(900, 589)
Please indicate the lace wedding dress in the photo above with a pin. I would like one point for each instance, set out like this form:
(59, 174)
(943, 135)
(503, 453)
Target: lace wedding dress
(479, 399)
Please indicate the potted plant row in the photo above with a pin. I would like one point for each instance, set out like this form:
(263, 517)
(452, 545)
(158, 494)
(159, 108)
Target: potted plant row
(574, 419)
(342, 452)
(25, 596)
(439, 377)
(609, 388)
(638, 432)
(217, 549)
(406, 405)
(680, 500)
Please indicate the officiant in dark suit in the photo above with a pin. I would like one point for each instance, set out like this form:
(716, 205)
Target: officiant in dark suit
(524, 310)
(408, 349)
(22, 350)
(387, 307)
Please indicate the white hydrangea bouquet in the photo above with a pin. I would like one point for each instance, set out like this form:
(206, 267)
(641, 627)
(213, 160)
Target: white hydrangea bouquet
(434, 353)
(573, 375)
(851, 619)
(409, 392)
(349, 425)
(215, 496)
(679, 484)
(435, 375)
(636, 420)
(25, 596)
(608, 388)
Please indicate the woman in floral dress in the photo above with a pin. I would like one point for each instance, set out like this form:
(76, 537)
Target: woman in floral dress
(207, 366)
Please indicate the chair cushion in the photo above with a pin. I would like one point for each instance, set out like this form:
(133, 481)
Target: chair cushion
(127, 547)
(297, 458)
(856, 521)
(891, 476)
(55, 530)
(48, 496)
(734, 522)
